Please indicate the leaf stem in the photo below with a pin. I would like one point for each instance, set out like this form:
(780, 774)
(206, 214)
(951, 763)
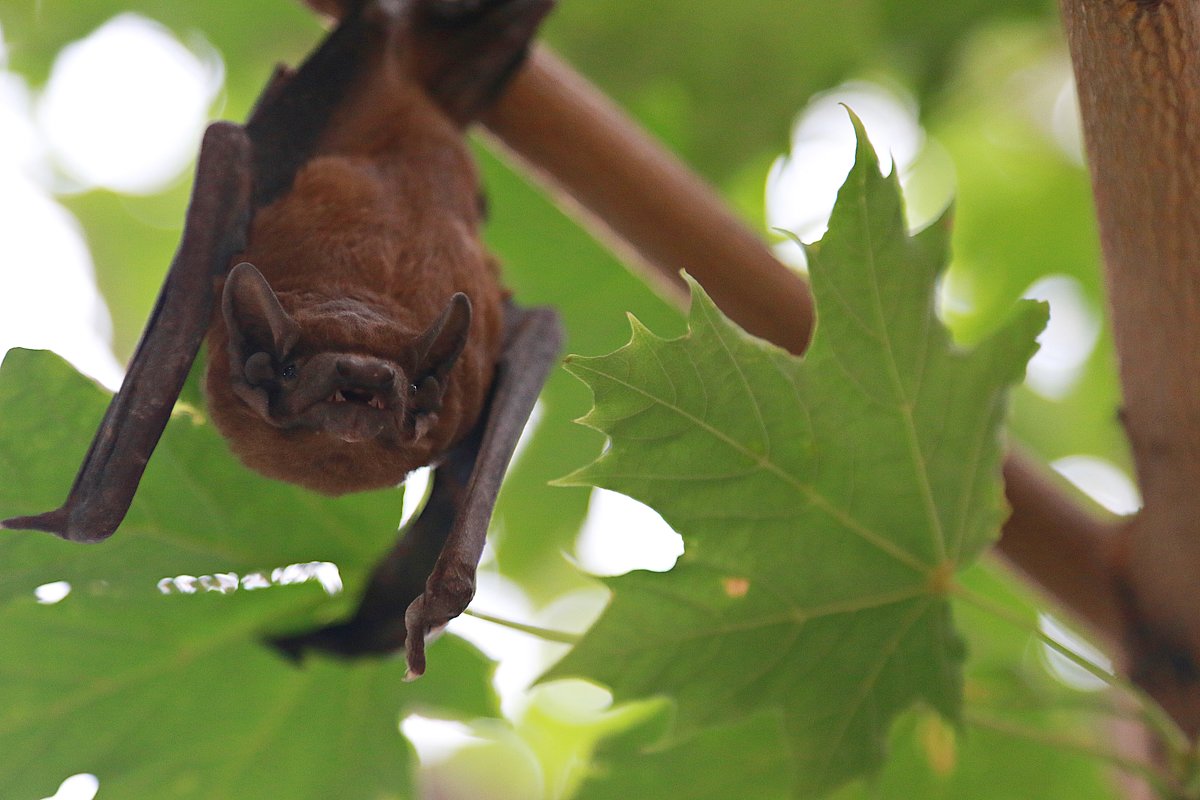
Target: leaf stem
(1068, 744)
(561, 637)
(1088, 703)
(1152, 714)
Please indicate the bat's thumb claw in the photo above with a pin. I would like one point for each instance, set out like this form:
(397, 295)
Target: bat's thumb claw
(414, 642)
(56, 522)
(415, 656)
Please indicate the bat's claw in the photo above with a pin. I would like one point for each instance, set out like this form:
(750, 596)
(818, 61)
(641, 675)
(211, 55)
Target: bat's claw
(429, 614)
(65, 524)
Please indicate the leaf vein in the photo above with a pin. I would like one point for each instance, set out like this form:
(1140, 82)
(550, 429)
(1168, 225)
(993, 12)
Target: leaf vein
(848, 522)
(905, 402)
(885, 655)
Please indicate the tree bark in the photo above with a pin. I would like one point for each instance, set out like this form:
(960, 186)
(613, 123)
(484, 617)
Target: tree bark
(1138, 73)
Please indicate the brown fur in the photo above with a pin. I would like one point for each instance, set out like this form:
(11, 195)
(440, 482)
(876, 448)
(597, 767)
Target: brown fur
(378, 231)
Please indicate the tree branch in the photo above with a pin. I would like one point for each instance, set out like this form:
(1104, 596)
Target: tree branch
(643, 203)
(626, 187)
(1138, 72)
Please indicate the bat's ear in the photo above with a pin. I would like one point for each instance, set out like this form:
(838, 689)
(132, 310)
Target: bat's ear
(442, 343)
(437, 350)
(256, 320)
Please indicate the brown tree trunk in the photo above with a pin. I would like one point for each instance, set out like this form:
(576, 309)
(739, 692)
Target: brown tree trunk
(1137, 65)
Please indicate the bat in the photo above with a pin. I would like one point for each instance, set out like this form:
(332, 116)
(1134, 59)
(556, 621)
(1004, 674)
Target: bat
(363, 330)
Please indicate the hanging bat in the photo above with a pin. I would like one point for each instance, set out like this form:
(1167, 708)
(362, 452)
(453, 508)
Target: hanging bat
(363, 331)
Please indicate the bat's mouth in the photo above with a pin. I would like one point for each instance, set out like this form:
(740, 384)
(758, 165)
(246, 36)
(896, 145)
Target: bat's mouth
(362, 397)
(353, 398)
(358, 413)
(356, 417)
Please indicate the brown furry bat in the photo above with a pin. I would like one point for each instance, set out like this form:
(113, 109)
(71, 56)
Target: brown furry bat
(364, 343)
(363, 331)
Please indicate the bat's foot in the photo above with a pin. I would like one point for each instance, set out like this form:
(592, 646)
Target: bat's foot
(443, 600)
(468, 49)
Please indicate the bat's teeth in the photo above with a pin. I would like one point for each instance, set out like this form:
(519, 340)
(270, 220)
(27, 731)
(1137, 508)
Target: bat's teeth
(338, 397)
(376, 402)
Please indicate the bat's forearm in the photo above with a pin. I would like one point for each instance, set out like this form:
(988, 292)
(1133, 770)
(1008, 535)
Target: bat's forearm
(213, 231)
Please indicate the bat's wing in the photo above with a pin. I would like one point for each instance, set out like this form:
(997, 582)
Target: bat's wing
(532, 348)
(429, 577)
(214, 230)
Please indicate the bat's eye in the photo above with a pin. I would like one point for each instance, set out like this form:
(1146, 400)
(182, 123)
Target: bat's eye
(412, 388)
(288, 371)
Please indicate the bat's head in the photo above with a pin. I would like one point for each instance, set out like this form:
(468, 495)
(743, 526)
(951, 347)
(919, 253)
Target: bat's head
(308, 382)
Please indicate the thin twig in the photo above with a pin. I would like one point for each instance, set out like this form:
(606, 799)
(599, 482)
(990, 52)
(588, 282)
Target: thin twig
(548, 634)
(1152, 714)
(1065, 743)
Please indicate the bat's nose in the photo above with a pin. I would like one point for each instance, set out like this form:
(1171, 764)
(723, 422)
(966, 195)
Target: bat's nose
(366, 372)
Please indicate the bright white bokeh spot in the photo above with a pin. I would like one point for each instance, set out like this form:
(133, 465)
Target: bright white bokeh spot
(125, 106)
(1068, 340)
(1063, 668)
(1043, 92)
(803, 185)
(48, 294)
(485, 759)
(83, 786)
(521, 656)
(324, 573)
(1066, 125)
(531, 425)
(516, 652)
(1102, 481)
(416, 486)
(620, 534)
(435, 739)
(329, 577)
(23, 150)
(955, 295)
(521, 663)
(50, 593)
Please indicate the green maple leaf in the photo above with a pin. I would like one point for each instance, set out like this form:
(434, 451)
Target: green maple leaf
(177, 695)
(826, 503)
